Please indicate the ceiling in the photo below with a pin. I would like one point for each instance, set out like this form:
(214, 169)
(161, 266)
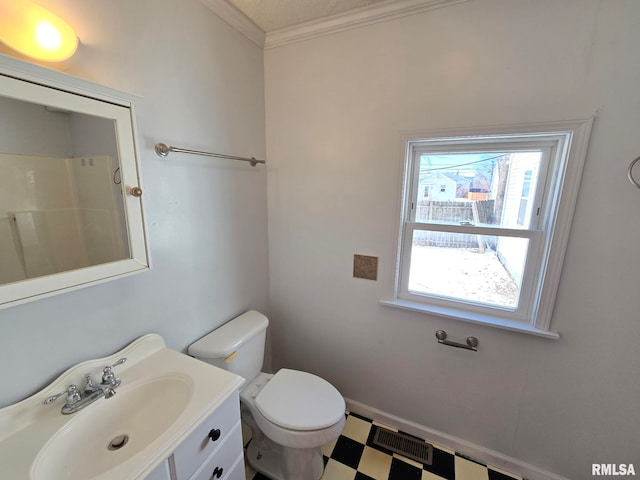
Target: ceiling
(272, 15)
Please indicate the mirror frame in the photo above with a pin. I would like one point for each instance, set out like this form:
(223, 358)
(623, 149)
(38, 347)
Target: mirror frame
(32, 83)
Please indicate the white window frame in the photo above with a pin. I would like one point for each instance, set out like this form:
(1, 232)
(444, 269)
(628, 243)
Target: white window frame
(565, 145)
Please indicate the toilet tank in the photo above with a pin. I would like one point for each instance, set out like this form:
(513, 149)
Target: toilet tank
(237, 346)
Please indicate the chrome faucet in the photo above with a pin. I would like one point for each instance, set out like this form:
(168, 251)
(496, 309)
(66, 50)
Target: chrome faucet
(91, 392)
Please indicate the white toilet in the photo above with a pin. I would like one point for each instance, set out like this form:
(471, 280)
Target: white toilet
(291, 413)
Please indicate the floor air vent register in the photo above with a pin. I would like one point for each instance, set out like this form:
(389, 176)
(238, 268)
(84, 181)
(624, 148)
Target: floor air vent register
(405, 445)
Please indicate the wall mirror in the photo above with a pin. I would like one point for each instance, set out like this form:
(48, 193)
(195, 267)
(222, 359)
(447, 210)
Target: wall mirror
(70, 196)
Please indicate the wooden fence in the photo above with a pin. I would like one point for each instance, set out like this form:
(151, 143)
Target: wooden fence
(471, 212)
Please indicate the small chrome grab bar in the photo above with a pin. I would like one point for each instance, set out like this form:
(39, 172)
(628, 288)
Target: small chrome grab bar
(472, 342)
(630, 172)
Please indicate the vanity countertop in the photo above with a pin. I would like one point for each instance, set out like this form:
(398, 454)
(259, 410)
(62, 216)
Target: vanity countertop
(32, 434)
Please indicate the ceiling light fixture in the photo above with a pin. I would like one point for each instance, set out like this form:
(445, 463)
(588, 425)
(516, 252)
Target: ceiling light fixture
(36, 32)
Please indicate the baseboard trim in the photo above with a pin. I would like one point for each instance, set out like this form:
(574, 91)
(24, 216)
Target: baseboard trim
(479, 453)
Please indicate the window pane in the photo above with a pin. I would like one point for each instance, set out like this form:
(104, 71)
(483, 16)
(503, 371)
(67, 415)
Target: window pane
(470, 268)
(477, 188)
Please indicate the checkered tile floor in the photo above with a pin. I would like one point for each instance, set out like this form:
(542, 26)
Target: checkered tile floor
(354, 457)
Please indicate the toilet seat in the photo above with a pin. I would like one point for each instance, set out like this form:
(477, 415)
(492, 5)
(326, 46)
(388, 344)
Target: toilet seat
(300, 401)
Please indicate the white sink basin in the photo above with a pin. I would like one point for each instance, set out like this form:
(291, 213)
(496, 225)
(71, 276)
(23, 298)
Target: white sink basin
(163, 397)
(111, 431)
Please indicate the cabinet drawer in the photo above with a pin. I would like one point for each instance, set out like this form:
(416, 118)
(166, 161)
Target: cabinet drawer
(220, 464)
(237, 470)
(195, 449)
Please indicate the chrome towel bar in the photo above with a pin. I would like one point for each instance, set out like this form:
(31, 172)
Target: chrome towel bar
(472, 342)
(163, 150)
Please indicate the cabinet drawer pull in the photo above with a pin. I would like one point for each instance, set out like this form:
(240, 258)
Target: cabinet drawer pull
(217, 472)
(214, 434)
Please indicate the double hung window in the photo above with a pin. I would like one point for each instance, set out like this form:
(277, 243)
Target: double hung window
(485, 222)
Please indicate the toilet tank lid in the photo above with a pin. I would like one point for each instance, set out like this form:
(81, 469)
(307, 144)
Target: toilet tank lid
(226, 339)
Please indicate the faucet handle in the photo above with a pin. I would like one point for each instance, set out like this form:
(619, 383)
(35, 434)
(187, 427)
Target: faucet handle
(108, 377)
(72, 393)
(119, 362)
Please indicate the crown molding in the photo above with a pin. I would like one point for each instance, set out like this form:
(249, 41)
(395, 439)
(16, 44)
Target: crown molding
(237, 20)
(340, 22)
(359, 17)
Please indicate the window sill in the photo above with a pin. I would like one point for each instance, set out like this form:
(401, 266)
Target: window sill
(471, 318)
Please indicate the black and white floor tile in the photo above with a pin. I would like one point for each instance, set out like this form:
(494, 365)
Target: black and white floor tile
(353, 456)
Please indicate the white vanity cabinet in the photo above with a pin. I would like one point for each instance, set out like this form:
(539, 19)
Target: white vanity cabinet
(161, 472)
(212, 452)
(213, 449)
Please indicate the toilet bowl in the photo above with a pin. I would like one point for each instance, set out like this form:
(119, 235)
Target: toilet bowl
(291, 413)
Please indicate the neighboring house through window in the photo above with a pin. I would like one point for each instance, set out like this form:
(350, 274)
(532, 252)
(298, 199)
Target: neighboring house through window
(524, 200)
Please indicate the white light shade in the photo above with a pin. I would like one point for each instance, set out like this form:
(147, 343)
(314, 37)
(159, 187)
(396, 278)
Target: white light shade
(36, 32)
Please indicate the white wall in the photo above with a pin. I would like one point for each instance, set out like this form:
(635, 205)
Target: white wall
(335, 107)
(201, 86)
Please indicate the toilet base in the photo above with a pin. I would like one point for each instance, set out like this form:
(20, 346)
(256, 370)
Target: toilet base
(278, 462)
(304, 464)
